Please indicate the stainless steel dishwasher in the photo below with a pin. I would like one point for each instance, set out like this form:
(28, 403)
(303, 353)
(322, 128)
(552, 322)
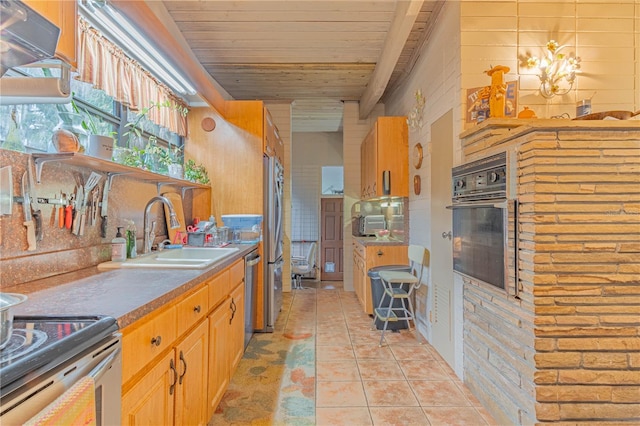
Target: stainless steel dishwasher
(251, 262)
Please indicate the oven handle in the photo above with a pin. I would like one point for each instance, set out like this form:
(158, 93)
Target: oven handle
(104, 365)
(470, 205)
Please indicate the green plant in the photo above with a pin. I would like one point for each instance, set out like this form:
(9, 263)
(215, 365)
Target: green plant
(88, 122)
(134, 128)
(195, 173)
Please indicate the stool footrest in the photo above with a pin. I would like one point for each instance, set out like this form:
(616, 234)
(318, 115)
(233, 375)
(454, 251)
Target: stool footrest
(396, 293)
(384, 314)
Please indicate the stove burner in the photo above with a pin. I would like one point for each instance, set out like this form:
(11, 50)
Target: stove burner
(22, 342)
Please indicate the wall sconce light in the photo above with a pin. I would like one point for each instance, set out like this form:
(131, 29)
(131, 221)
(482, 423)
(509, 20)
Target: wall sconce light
(557, 70)
(414, 119)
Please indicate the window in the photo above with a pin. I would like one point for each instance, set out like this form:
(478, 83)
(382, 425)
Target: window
(332, 180)
(30, 127)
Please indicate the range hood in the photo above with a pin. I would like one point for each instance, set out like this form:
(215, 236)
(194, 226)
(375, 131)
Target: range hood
(25, 36)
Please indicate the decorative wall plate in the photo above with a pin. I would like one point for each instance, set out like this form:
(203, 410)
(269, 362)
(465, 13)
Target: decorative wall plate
(208, 124)
(417, 184)
(417, 156)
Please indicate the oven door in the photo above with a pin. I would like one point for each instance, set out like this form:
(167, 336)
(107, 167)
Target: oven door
(102, 363)
(480, 238)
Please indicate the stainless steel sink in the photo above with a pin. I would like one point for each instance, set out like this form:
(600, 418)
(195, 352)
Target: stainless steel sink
(183, 258)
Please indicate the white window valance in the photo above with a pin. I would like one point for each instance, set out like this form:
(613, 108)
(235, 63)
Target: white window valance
(105, 65)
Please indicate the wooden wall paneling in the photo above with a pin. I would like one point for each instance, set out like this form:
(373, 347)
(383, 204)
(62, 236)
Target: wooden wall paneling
(233, 154)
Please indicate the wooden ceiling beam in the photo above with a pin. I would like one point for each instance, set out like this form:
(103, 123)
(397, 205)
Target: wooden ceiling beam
(405, 17)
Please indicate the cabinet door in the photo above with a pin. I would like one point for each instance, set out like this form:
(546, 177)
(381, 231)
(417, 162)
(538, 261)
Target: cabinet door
(218, 355)
(64, 15)
(392, 155)
(236, 327)
(191, 390)
(150, 401)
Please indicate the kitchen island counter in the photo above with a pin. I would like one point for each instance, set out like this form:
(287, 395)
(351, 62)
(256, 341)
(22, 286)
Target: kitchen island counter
(125, 294)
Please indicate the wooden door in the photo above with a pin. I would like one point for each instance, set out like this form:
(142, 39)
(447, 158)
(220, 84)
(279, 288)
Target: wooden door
(150, 401)
(441, 250)
(331, 242)
(191, 390)
(218, 355)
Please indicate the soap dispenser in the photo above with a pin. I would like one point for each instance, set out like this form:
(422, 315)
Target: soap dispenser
(119, 247)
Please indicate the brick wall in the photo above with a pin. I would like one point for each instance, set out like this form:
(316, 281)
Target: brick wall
(580, 240)
(568, 350)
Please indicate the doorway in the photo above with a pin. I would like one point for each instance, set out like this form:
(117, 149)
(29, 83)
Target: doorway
(331, 250)
(441, 253)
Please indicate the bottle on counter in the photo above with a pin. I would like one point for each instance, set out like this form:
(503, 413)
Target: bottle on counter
(132, 247)
(119, 247)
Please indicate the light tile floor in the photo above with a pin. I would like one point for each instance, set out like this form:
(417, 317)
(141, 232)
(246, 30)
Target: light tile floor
(405, 382)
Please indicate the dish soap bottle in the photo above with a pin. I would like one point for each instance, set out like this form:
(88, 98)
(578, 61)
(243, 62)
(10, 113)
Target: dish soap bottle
(119, 247)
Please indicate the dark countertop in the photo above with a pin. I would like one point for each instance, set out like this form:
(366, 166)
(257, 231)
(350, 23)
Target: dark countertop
(125, 294)
(374, 241)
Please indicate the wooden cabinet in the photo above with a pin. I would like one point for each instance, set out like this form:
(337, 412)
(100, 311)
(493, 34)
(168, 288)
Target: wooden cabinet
(64, 15)
(192, 365)
(173, 390)
(384, 157)
(367, 257)
(273, 144)
(178, 360)
(226, 334)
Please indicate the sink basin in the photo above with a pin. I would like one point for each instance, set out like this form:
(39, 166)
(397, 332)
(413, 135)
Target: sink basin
(184, 258)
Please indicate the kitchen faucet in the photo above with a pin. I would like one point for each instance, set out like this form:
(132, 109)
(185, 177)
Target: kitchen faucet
(149, 232)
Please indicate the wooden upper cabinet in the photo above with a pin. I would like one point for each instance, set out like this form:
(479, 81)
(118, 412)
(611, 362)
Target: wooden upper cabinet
(385, 159)
(273, 144)
(64, 15)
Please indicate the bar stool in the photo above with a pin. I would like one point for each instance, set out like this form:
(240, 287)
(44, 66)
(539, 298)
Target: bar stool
(394, 284)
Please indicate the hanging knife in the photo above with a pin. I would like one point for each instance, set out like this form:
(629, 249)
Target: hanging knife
(28, 219)
(37, 214)
(103, 211)
(75, 229)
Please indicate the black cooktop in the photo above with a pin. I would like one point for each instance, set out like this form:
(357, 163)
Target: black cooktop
(41, 343)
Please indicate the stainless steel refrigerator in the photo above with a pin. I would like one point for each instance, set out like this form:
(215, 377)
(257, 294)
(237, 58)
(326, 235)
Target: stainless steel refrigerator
(272, 240)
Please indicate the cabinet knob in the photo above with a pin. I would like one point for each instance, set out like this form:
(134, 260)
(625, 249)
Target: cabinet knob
(197, 309)
(380, 253)
(156, 340)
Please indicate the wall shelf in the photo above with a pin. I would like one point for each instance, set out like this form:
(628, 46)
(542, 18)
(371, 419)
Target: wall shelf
(113, 169)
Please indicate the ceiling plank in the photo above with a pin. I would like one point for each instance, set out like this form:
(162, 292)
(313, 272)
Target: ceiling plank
(406, 14)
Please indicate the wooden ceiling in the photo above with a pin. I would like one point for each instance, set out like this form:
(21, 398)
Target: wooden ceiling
(313, 53)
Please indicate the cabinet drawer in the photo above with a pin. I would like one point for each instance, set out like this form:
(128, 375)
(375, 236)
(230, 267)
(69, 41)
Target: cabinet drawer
(236, 274)
(192, 309)
(147, 341)
(218, 288)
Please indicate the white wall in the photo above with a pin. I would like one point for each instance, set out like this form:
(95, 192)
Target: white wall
(311, 151)
(437, 74)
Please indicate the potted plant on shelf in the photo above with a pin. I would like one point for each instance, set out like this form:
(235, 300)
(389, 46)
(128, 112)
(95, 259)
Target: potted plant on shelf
(195, 173)
(150, 156)
(98, 145)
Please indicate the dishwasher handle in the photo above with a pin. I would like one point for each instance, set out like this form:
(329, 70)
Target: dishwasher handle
(253, 261)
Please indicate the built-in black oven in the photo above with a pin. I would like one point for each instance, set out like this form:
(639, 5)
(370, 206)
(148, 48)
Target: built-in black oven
(482, 220)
